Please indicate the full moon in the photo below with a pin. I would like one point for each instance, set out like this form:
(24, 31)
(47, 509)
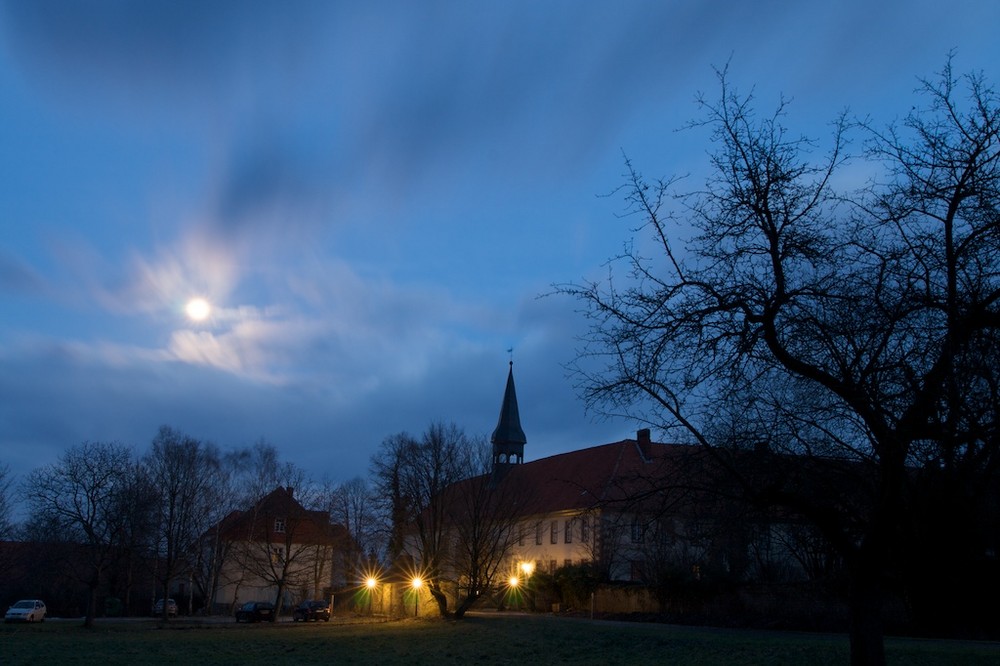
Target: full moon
(198, 309)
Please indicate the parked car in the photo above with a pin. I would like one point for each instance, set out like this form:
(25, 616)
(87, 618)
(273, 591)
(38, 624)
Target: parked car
(315, 609)
(255, 611)
(171, 608)
(26, 610)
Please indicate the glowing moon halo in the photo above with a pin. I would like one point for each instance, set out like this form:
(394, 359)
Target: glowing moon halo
(198, 309)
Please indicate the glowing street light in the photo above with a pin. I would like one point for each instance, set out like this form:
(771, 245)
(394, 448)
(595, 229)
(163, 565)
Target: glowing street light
(513, 581)
(416, 583)
(371, 583)
(526, 569)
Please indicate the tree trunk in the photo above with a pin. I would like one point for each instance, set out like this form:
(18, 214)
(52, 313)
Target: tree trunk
(440, 598)
(88, 620)
(277, 601)
(867, 647)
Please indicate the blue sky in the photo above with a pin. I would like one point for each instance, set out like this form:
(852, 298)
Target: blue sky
(371, 195)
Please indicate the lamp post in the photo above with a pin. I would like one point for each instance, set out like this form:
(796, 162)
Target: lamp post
(527, 568)
(370, 584)
(417, 583)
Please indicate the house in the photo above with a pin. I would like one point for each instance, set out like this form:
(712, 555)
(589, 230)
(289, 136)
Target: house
(276, 551)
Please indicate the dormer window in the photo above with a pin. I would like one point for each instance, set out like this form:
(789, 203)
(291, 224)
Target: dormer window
(279, 525)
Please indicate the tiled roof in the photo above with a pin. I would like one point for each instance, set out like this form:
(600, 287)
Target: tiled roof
(599, 475)
(301, 525)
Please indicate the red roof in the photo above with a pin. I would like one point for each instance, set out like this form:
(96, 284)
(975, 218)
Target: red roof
(300, 525)
(588, 478)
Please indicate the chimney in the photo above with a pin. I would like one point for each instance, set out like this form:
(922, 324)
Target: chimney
(644, 443)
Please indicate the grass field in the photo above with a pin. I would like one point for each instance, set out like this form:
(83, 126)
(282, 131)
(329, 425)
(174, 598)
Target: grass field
(481, 639)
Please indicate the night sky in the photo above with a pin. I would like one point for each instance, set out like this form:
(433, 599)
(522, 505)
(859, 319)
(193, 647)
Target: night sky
(371, 197)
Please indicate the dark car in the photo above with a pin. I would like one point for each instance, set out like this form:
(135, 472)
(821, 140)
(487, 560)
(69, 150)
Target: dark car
(171, 608)
(255, 611)
(316, 609)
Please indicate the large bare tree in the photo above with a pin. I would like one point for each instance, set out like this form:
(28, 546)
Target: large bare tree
(856, 330)
(449, 513)
(412, 475)
(482, 518)
(352, 505)
(182, 470)
(87, 495)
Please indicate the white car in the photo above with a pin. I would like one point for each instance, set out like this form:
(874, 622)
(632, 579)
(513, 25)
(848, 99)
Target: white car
(26, 610)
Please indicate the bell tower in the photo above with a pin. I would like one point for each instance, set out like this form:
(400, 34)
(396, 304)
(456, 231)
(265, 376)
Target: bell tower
(508, 439)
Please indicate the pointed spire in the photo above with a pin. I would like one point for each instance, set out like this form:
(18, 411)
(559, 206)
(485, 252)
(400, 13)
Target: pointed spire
(508, 438)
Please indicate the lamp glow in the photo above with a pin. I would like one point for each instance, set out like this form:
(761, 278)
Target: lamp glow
(416, 583)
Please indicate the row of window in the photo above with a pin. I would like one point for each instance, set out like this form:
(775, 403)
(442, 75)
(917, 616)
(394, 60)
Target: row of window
(568, 531)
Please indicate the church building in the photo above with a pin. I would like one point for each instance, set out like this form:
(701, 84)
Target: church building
(632, 509)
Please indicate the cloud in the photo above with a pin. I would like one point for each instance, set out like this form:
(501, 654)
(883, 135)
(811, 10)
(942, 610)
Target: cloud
(55, 394)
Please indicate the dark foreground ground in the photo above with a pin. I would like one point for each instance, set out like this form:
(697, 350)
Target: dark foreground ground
(505, 638)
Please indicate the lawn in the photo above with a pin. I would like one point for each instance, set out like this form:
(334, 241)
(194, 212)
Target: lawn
(482, 639)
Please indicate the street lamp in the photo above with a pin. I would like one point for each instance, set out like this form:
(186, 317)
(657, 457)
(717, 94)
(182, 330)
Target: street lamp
(370, 584)
(512, 584)
(527, 568)
(416, 583)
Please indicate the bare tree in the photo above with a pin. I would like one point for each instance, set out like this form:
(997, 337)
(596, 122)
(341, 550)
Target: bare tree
(6, 505)
(450, 514)
(87, 494)
(182, 470)
(6, 520)
(215, 553)
(352, 505)
(855, 330)
(482, 517)
(413, 475)
(395, 509)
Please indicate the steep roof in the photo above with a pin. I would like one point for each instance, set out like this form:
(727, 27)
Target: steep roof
(301, 525)
(600, 475)
(508, 430)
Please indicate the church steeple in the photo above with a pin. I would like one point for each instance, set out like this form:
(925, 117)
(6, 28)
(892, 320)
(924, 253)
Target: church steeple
(508, 439)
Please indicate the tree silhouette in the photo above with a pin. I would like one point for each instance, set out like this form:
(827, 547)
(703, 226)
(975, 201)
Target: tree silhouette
(854, 330)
